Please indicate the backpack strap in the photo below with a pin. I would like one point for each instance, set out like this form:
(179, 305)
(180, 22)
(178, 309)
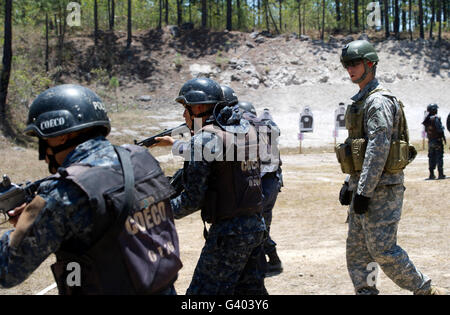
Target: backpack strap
(128, 174)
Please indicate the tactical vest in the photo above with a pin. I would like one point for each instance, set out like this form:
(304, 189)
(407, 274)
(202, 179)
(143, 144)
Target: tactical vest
(267, 136)
(351, 153)
(144, 257)
(234, 185)
(430, 128)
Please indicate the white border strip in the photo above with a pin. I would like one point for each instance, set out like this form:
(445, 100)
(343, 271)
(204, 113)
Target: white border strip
(51, 287)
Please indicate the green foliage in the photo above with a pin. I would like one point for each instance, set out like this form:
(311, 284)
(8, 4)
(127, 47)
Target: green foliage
(178, 61)
(24, 86)
(113, 83)
(221, 61)
(101, 76)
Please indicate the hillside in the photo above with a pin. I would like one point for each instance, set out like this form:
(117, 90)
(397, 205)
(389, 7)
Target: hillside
(282, 73)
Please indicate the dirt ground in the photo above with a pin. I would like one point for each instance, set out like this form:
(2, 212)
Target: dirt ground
(308, 226)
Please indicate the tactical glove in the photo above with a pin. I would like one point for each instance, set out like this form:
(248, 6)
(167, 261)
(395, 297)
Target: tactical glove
(360, 204)
(345, 196)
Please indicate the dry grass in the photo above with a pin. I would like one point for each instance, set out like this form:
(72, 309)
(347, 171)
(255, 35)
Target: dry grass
(308, 226)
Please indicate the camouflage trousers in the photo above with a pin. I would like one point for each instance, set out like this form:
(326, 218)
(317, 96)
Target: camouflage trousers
(230, 265)
(372, 240)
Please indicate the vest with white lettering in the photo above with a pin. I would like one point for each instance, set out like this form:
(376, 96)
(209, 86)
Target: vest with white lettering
(144, 258)
(234, 186)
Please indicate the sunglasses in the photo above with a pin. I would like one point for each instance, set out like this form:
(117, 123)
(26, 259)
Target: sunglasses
(352, 63)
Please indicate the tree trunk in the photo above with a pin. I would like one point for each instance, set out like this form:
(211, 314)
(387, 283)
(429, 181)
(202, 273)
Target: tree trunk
(112, 13)
(239, 18)
(439, 10)
(396, 19)
(179, 12)
(410, 19)
(356, 5)
(129, 26)
(166, 17)
(60, 23)
(299, 18)
(95, 23)
(403, 15)
(386, 18)
(304, 17)
(160, 13)
(273, 20)
(6, 66)
(432, 18)
(323, 21)
(446, 7)
(381, 2)
(280, 14)
(47, 51)
(422, 33)
(338, 11)
(204, 14)
(266, 14)
(229, 15)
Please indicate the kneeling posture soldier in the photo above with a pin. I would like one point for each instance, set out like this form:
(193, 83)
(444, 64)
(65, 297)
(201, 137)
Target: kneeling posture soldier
(375, 154)
(105, 212)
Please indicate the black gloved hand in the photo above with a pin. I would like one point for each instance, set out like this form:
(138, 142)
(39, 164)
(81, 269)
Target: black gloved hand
(360, 204)
(345, 196)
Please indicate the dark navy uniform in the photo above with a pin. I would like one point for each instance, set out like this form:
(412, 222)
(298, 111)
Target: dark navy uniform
(228, 263)
(69, 225)
(435, 133)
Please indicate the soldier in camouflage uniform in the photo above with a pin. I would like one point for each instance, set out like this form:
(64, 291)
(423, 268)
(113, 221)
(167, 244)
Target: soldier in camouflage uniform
(80, 218)
(436, 139)
(377, 195)
(226, 190)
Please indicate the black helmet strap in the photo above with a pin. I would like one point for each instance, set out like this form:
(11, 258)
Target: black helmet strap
(366, 72)
(69, 143)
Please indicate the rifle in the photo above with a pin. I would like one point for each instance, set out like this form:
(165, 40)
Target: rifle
(167, 132)
(176, 181)
(13, 195)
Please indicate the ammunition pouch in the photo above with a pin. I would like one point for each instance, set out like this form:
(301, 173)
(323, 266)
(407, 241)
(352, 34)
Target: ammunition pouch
(350, 155)
(344, 157)
(358, 153)
(398, 157)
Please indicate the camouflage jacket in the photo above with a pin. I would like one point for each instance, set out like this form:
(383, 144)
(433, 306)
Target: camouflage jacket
(381, 119)
(66, 215)
(196, 177)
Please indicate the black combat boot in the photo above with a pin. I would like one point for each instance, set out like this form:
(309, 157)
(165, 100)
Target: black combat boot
(432, 175)
(441, 174)
(274, 266)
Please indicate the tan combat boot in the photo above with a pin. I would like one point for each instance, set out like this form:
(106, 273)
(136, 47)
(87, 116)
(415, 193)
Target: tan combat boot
(437, 291)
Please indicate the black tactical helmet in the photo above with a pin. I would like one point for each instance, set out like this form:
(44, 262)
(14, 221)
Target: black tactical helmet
(200, 91)
(432, 108)
(229, 95)
(247, 106)
(64, 109)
